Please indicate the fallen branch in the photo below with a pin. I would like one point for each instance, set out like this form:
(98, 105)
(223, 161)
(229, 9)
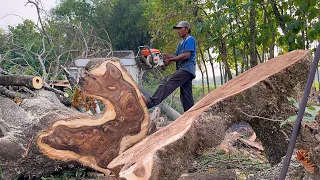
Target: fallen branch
(268, 119)
(56, 91)
(11, 94)
(3, 71)
(18, 80)
(25, 89)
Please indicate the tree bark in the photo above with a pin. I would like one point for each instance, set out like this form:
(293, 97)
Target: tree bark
(206, 70)
(11, 94)
(279, 17)
(246, 57)
(261, 91)
(253, 55)
(171, 113)
(224, 56)
(221, 74)
(306, 36)
(202, 77)
(272, 45)
(233, 47)
(212, 67)
(56, 91)
(60, 136)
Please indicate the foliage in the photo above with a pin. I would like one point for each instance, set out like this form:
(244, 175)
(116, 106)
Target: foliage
(119, 20)
(16, 59)
(311, 113)
(221, 21)
(129, 28)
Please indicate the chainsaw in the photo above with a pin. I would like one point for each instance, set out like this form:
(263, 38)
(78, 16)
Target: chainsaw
(149, 58)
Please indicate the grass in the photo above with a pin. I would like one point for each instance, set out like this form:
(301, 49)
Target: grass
(213, 160)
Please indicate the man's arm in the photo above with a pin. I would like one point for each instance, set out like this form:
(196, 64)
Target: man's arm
(167, 56)
(181, 57)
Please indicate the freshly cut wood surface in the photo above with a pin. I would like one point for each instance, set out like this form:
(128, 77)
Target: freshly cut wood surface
(95, 140)
(260, 91)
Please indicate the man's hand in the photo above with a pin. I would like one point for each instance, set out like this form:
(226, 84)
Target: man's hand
(163, 68)
(167, 61)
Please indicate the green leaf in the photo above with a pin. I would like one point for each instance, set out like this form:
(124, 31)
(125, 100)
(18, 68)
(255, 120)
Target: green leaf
(308, 119)
(247, 5)
(289, 120)
(292, 119)
(313, 111)
(294, 102)
(313, 13)
(221, 2)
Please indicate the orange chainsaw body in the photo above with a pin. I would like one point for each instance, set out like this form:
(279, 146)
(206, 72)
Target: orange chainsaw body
(145, 52)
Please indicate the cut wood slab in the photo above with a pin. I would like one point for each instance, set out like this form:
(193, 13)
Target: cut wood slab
(95, 141)
(259, 92)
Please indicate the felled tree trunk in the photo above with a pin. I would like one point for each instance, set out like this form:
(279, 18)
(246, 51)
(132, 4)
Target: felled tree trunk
(256, 96)
(171, 113)
(46, 135)
(20, 126)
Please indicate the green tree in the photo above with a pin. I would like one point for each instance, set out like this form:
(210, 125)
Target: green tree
(121, 21)
(21, 40)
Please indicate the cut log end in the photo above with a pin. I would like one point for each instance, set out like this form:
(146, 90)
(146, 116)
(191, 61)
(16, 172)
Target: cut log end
(96, 140)
(37, 82)
(66, 95)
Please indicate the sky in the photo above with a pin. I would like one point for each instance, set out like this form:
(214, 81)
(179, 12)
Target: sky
(13, 12)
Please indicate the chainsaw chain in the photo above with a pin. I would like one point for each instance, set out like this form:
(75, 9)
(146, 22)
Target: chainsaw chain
(141, 63)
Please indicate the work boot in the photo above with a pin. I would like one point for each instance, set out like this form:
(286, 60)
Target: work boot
(148, 102)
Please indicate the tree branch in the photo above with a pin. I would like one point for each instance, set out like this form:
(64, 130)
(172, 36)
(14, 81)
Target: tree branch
(251, 116)
(56, 70)
(279, 17)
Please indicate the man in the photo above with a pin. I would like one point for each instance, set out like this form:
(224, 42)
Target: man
(186, 70)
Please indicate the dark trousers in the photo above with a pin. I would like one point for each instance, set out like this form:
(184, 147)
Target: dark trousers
(180, 78)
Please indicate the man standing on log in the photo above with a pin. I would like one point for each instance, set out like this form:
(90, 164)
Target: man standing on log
(185, 70)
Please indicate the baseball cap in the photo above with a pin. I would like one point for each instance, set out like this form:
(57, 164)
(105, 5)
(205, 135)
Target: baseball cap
(182, 24)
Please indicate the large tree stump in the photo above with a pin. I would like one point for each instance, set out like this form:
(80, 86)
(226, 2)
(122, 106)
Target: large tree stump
(47, 135)
(259, 92)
